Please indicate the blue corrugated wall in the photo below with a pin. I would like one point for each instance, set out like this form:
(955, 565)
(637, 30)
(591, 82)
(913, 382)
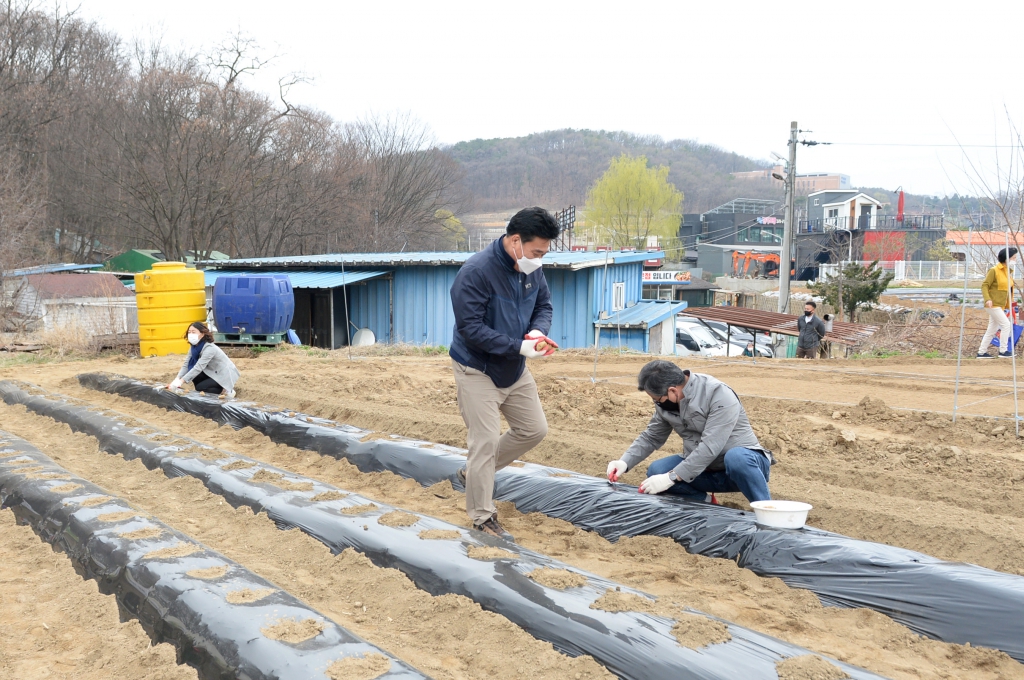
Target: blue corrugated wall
(423, 305)
(633, 338)
(370, 307)
(423, 308)
(572, 324)
(630, 274)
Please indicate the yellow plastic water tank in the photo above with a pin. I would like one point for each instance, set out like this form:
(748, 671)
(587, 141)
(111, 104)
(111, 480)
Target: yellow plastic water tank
(169, 296)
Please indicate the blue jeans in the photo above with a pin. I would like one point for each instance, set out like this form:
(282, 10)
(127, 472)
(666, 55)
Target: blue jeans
(745, 471)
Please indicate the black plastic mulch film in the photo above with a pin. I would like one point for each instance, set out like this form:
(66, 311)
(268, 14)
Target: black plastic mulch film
(631, 644)
(220, 639)
(952, 602)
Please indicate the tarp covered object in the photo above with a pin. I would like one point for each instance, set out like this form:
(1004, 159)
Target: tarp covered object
(631, 644)
(222, 640)
(952, 602)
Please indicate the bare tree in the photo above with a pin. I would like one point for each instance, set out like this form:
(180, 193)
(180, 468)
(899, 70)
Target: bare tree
(1000, 187)
(117, 147)
(184, 143)
(297, 192)
(22, 212)
(406, 179)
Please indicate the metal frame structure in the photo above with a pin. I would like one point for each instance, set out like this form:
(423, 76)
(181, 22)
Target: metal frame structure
(747, 206)
(566, 221)
(843, 333)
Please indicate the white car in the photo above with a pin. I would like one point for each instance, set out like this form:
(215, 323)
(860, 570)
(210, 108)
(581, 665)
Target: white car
(740, 337)
(694, 338)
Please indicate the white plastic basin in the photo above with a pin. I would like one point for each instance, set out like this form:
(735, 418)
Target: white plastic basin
(781, 514)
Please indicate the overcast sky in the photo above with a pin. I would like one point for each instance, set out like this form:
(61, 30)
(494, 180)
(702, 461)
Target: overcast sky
(733, 74)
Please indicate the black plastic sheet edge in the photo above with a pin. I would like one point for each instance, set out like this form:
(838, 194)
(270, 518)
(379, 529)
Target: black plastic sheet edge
(951, 602)
(221, 640)
(632, 645)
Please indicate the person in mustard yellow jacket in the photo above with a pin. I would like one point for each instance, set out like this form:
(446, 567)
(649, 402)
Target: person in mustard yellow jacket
(997, 289)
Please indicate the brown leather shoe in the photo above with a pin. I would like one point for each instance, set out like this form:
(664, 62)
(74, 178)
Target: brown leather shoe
(492, 527)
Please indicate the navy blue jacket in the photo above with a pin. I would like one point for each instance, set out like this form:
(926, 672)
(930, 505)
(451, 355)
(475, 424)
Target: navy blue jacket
(495, 306)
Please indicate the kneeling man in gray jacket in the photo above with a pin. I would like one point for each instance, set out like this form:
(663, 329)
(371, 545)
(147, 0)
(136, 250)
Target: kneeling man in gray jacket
(720, 452)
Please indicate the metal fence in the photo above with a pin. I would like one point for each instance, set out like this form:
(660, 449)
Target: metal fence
(823, 225)
(918, 270)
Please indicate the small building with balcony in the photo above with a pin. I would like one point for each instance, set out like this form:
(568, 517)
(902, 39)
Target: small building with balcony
(840, 209)
(848, 225)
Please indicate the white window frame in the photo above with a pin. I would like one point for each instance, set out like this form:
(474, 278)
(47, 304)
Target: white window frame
(618, 296)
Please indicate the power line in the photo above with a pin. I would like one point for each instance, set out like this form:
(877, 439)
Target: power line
(954, 146)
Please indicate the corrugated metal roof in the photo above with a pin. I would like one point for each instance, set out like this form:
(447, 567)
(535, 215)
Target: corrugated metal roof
(785, 324)
(567, 260)
(68, 286)
(643, 314)
(51, 269)
(299, 279)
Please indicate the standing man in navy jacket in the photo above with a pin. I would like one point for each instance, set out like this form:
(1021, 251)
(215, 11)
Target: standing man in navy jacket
(502, 311)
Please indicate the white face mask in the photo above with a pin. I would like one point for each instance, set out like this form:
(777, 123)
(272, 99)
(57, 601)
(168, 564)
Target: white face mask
(194, 338)
(527, 265)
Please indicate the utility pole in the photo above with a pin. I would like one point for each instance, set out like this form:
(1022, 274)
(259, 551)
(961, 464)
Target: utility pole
(787, 230)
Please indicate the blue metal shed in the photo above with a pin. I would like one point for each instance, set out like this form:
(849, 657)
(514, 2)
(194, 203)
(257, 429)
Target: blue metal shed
(405, 297)
(648, 326)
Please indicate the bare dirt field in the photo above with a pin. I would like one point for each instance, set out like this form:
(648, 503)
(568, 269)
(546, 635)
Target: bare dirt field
(867, 442)
(54, 624)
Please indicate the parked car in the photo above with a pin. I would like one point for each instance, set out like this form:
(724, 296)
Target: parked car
(737, 338)
(693, 338)
(763, 341)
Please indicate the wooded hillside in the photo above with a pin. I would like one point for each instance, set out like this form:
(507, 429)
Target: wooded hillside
(554, 169)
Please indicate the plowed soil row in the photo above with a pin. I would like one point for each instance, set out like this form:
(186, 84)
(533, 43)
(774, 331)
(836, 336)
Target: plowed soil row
(446, 637)
(54, 624)
(907, 478)
(655, 564)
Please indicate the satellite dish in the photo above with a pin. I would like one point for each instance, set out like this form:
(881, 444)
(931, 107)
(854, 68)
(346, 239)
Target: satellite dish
(363, 338)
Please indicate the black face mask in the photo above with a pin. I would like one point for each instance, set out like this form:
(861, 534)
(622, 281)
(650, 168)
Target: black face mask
(669, 406)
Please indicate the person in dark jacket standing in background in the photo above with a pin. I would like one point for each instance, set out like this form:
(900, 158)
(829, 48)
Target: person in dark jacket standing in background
(503, 314)
(812, 330)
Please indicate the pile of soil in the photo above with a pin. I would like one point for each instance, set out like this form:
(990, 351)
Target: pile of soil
(561, 579)
(294, 631)
(809, 667)
(698, 631)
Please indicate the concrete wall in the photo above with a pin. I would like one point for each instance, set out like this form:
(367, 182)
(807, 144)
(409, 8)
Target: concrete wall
(747, 285)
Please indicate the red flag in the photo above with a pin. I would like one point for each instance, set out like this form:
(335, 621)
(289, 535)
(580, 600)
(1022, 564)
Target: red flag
(899, 207)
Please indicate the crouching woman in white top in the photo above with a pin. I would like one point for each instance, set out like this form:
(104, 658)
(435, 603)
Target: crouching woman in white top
(206, 366)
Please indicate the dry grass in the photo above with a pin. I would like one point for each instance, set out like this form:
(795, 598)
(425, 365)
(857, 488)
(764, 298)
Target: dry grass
(68, 339)
(921, 333)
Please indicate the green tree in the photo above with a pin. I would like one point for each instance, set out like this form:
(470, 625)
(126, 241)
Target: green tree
(454, 233)
(939, 250)
(854, 285)
(632, 201)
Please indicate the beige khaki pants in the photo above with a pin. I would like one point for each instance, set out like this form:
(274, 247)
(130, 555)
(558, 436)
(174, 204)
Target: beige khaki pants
(997, 321)
(482, 405)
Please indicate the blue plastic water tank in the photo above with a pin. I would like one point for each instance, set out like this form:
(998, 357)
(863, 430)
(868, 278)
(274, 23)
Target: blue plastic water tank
(261, 304)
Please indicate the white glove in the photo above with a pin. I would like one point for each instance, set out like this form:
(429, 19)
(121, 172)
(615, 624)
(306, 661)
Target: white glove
(529, 349)
(616, 469)
(535, 334)
(176, 383)
(656, 484)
